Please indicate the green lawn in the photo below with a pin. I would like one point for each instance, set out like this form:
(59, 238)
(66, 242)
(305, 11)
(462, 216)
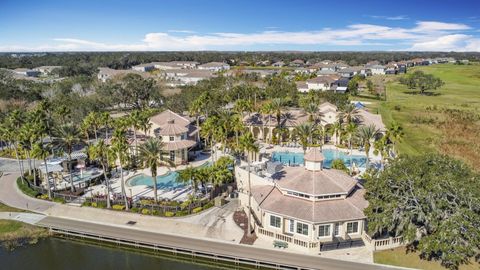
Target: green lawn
(428, 120)
(6, 208)
(399, 257)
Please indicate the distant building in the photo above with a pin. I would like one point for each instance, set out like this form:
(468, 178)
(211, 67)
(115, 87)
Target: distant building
(278, 64)
(175, 65)
(377, 70)
(46, 70)
(104, 74)
(180, 77)
(144, 67)
(214, 66)
(26, 72)
(297, 63)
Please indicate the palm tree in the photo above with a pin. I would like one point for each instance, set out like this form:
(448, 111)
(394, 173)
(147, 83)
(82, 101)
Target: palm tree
(15, 122)
(248, 145)
(208, 131)
(395, 134)
(304, 133)
(351, 131)
(350, 113)
(366, 134)
(278, 106)
(152, 156)
(243, 105)
(237, 127)
(40, 151)
(93, 121)
(336, 130)
(381, 147)
(196, 108)
(189, 175)
(119, 151)
(265, 111)
(312, 110)
(106, 122)
(66, 137)
(144, 122)
(135, 122)
(99, 152)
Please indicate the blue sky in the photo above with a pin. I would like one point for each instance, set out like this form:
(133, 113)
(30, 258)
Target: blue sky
(112, 25)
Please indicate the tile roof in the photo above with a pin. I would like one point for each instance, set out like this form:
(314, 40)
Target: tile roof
(326, 181)
(272, 200)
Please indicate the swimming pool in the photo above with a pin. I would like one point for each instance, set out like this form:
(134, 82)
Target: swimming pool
(291, 158)
(166, 181)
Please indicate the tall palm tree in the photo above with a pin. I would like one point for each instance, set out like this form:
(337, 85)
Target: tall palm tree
(351, 130)
(395, 134)
(350, 114)
(366, 135)
(120, 149)
(66, 137)
(135, 119)
(336, 130)
(278, 107)
(196, 109)
(41, 152)
(248, 145)
(312, 110)
(381, 147)
(100, 152)
(144, 122)
(16, 119)
(243, 105)
(304, 133)
(237, 127)
(208, 131)
(265, 112)
(106, 122)
(152, 156)
(93, 121)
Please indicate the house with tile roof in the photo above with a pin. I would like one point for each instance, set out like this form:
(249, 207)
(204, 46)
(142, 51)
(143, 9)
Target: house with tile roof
(177, 132)
(308, 206)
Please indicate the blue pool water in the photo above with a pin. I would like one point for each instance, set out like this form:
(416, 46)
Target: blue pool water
(165, 181)
(291, 158)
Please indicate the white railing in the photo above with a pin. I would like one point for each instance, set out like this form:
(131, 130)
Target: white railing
(384, 243)
(288, 239)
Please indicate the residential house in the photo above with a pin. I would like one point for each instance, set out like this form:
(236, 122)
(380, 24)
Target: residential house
(278, 64)
(104, 74)
(377, 69)
(297, 63)
(178, 134)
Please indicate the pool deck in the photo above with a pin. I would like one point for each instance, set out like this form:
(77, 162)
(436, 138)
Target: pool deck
(144, 190)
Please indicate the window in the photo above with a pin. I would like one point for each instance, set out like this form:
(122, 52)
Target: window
(172, 155)
(172, 138)
(352, 227)
(337, 229)
(323, 230)
(292, 226)
(302, 228)
(275, 221)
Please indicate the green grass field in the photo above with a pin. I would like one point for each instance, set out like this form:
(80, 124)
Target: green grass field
(448, 121)
(399, 257)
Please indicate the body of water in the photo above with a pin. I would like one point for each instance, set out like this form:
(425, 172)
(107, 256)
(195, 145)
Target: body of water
(296, 158)
(59, 254)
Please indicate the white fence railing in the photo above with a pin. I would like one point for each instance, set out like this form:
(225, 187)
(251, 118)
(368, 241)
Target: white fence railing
(384, 243)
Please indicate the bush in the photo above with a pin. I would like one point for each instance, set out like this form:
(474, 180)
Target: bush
(26, 189)
(196, 210)
(134, 210)
(43, 196)
(87, 204)
(145, 211)
(118, 207)
(208, 205)
(338, 164)
(169, 214)
(59, 200)
(397, 107)
(181, 213)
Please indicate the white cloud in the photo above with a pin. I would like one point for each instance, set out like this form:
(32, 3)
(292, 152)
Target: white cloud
(391, 18)
(425, 35)
(455, 42)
